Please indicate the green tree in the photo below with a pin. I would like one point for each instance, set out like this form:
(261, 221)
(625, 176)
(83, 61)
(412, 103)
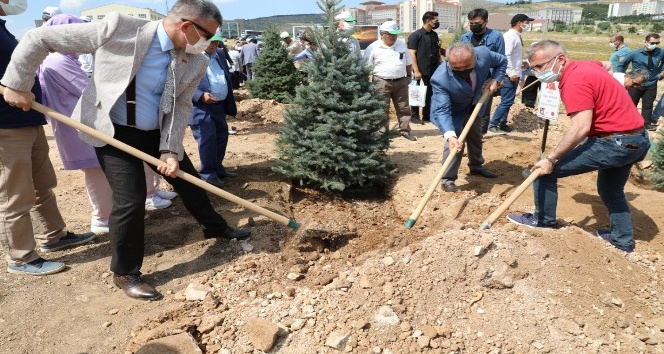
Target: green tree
(656, 27)
(631, 29)
(559, 26)
(604, 26)
(331, 139)
(276, 76)
(657, 176)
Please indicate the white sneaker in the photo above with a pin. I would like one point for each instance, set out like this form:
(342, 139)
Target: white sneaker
(168, 195)
(99, 226)
(154, 202)
(232, 131)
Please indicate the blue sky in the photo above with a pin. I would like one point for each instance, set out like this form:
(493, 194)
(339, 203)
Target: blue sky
(230, 9)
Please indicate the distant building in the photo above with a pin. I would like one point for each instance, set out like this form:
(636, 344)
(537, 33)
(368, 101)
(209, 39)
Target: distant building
(648, 8)
(620, 9)
(566, 15)
(98, 13)
(408, 14)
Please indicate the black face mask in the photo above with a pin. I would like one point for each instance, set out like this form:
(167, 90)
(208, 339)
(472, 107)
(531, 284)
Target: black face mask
(435, 25)
(464, 73)
(477, 28)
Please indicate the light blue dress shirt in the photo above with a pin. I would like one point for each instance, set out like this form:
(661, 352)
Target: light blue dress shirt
(215, 74)
(150, 81)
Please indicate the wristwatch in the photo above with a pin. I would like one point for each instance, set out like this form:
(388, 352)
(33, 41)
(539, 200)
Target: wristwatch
(552, 160)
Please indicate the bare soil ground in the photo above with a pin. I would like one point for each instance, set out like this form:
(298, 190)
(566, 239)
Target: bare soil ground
(353, 279)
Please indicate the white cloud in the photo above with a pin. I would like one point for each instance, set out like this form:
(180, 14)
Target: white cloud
(72, 4)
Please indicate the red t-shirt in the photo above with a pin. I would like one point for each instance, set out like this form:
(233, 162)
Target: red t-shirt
(587, 85)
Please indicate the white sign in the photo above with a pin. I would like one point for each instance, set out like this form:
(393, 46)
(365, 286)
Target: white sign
(549, 101)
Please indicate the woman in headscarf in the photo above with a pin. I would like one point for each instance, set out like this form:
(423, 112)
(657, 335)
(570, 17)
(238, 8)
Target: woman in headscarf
(62, 81)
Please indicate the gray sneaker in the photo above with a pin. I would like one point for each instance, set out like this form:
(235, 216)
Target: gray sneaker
(39, 266)
(69, 240)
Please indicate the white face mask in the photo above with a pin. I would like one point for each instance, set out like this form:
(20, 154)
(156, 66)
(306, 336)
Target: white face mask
(651, 46)
(14, 7)
(198, 47)
(346, 26)
(548, 75)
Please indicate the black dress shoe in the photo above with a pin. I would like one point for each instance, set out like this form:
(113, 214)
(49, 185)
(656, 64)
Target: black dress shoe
(484, 172)
(228, 175)
(215, 182)
(134, 287)
(449, 187)
(228, 233)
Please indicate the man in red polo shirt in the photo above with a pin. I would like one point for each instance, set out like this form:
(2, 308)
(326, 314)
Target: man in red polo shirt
(606, 135)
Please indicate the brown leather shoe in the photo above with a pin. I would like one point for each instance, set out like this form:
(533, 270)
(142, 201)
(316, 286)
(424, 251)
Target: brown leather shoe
(134, 287)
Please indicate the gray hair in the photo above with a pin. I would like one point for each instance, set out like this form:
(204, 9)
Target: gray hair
(195, 9)
(546, 45)
(461, 50)
(636, 73)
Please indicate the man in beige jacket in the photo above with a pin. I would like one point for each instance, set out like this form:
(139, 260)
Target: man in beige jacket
(145, 74)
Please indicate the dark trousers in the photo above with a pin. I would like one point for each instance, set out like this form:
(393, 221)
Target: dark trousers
(474, 143)
(529, 95)
(235, 79)
(126, 177)
(647, 96)
(211, 134)
(426, 110)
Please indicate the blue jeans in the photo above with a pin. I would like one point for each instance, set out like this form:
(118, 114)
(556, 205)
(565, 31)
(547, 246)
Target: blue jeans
(211, 134)
(507, 95)
(658, 111)
(613, 158)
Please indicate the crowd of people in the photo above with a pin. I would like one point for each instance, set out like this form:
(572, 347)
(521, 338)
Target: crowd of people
(182, 74)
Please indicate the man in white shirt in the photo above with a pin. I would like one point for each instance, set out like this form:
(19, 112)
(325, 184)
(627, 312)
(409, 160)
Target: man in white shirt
(513, 52)
(392, 65)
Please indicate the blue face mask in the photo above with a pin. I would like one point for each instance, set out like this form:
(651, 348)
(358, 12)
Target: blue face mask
(548, 75)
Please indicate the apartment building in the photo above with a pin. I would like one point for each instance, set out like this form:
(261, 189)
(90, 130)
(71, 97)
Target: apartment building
(408, 14)
(98, 13)
(567, 15)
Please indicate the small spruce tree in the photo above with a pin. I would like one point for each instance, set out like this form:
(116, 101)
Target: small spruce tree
(276, 76)
(657, 176)
(331, 139)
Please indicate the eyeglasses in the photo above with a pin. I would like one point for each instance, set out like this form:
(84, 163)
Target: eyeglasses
(539, 67)
(207, 33)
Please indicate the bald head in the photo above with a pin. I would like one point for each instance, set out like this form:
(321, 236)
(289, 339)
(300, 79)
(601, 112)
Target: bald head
(461, 56)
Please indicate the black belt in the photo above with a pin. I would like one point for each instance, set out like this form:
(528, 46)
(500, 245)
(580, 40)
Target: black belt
(391, 80)
(615, 134)
(131, 103)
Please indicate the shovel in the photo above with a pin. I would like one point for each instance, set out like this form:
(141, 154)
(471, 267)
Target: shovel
(416, 213)
(506, 204)
(156, 162)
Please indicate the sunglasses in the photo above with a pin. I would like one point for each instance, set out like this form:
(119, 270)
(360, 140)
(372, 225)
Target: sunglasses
(655, 43)
(207, 34)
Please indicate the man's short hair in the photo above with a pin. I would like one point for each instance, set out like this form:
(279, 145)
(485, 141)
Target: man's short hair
(652, 35)
(484, 14)
(460, 49)
(429, 15)
(618, 37)
(192, 9)
(636, 73)
(546, 45)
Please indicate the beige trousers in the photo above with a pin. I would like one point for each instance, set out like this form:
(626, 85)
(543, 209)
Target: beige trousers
(397, 93)
(27, 180)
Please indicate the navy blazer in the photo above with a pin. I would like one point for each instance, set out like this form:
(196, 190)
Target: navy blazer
(217, 111)
(453, 97)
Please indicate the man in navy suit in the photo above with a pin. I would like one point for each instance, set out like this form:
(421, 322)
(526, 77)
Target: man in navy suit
(457, 86)
(212, 101)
